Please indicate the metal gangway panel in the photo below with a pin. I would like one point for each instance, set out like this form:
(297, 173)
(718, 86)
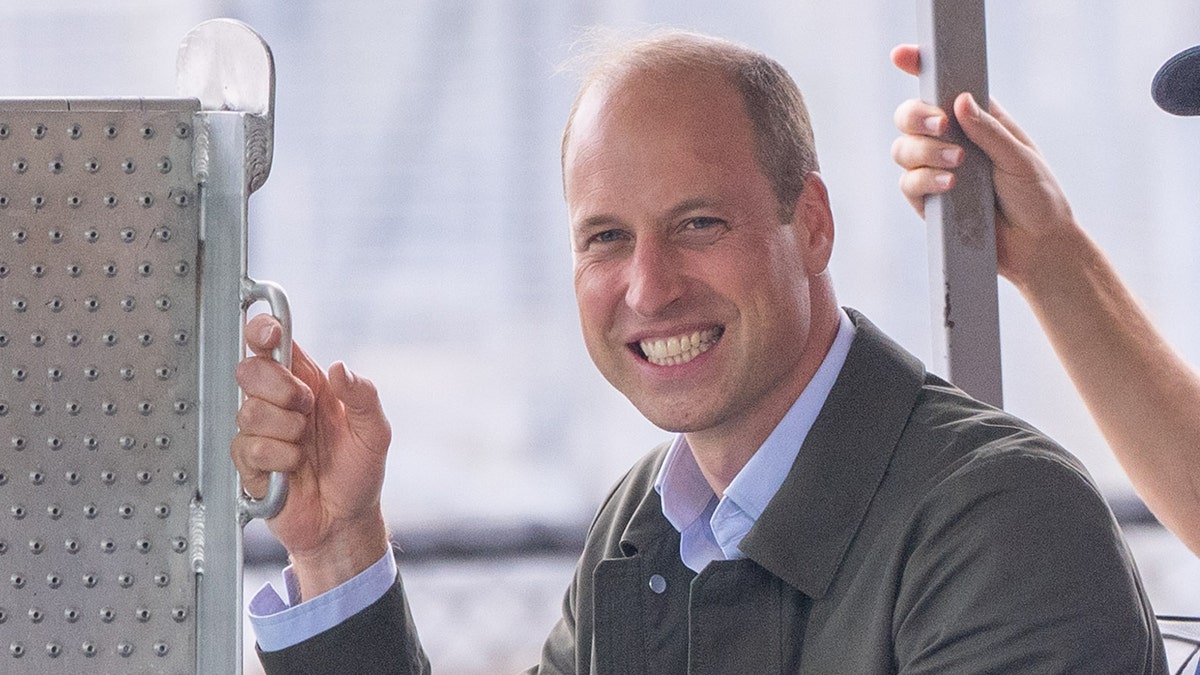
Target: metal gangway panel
(122, 290)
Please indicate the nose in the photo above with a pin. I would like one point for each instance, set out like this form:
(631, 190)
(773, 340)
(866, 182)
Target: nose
(654, 281)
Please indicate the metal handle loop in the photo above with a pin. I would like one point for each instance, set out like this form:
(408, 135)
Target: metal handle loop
(277, 487)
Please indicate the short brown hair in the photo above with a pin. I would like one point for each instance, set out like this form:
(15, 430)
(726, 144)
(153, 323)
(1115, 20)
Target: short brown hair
(783, 137)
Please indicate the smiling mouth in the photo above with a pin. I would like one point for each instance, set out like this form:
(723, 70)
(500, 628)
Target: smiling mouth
(679, 349)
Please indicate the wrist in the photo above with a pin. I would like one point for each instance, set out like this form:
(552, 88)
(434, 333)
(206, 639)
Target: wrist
(341, 557)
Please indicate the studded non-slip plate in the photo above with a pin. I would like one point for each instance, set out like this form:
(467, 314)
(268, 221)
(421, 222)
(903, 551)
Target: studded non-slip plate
(99, 224)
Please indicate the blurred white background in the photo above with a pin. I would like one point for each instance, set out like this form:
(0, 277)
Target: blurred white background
(414, 214)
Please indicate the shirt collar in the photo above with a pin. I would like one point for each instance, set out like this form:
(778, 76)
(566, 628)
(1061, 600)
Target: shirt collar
(685, 492)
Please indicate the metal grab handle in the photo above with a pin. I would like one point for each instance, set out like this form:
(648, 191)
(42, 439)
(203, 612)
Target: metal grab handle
(277, 488)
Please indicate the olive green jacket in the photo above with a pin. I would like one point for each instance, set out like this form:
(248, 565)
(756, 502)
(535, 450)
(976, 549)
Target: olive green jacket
(919, 531)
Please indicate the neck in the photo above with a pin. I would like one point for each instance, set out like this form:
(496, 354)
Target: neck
(721, 452)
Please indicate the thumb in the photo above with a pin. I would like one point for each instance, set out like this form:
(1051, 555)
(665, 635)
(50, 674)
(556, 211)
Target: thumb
(364, 412)
(1007, 151)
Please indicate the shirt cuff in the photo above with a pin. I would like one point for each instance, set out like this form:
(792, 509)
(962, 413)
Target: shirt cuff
(279, 624)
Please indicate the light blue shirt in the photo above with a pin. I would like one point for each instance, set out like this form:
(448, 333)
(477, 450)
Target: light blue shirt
(710, 529)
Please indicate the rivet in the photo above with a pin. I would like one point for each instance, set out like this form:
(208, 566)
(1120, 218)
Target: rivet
(56, 166)
(3, 478)
(128, 303)
(108, 545)
(37, 339)
(108, 477)
(3, 615)
(74, 339)
(37, 477)
(107, 614)
(181, 268)
(179, 544)
(128, 235)
(163, 373)
(17, 443)
(161, 648)
(19, 374)
(3, 339)
(3, 270)
(38, 131)
(142, 545)
(92, 236)
(3, 547)
(20, 165)
(142, 614)
(36, 547)
(128, 166)
(125, 649)
(181, 407)
(146, 200)
(88, 648)
(125, 580)
(91, 442)
(37, 270)
(16, 649)
(109, 408)
(162, 510)
(92, 373)
(71, 614)
(17, 581)
(91, 165)
(90, 511)
(53, 580)
(163, 234)
(179, 614)
(126, 442)
(35, 615)
(164, 165)
(37, 408)
(162, 579)
(147, 132)
(162, 441)
(74, 270)
(90, 580)
(127, 372)
(143, 477)
(145, 269)
(71, 546)
(53, 650)
(74, 132)
(125, 511)
(20, 304)
(109, 339)
(110, 131)
(4, 132)
(17, 511)
(73, 477)
(181, 338)
(146, 339)
(54, 511)
(55, 304)
(3, 201)
(74, 201)
(110, 269)
(182, 130)
(19, 236)
(163, 303)
(54, 443)
(110, 200)
(55, 236)
(37, 201)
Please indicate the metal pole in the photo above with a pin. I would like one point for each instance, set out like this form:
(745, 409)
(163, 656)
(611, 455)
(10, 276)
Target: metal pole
(961, 223)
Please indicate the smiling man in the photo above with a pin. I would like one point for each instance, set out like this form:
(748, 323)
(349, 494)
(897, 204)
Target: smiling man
(826, 506)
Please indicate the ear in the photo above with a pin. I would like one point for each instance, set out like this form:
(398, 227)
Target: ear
(814, 221)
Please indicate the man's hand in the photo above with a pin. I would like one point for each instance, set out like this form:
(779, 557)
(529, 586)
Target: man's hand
(329, 433)
(1034, 223)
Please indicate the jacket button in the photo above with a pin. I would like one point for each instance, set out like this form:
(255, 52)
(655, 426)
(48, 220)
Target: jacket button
(657, 583)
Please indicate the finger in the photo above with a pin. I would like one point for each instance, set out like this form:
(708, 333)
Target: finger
(917, 117)
(907, 57)
(919, 183)
(263, 333)
(915, 152)
(257, 417)
(263, 378)
(255, 458)
(364, 412)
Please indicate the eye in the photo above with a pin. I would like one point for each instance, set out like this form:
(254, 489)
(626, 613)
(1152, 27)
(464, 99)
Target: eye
(702, 223)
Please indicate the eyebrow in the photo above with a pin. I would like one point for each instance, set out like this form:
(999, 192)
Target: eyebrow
(605, 220)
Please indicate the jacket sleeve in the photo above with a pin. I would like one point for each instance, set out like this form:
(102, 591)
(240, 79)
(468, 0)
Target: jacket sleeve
(379, 640)
(1017, 565)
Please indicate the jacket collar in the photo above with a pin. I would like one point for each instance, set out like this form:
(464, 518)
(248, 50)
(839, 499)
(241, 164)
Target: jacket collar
(809, 524)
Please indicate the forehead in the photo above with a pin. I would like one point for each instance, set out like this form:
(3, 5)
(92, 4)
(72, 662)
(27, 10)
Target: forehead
(650, 127)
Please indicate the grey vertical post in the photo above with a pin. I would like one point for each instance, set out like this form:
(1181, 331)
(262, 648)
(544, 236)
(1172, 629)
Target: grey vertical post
(223, 218)
(961, 230)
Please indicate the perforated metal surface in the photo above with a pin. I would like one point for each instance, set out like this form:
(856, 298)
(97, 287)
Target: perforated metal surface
(99, 386)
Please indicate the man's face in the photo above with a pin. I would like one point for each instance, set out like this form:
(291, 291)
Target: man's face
(693, 296)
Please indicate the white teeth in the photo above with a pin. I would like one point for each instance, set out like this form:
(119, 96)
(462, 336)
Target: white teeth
(679, 349)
